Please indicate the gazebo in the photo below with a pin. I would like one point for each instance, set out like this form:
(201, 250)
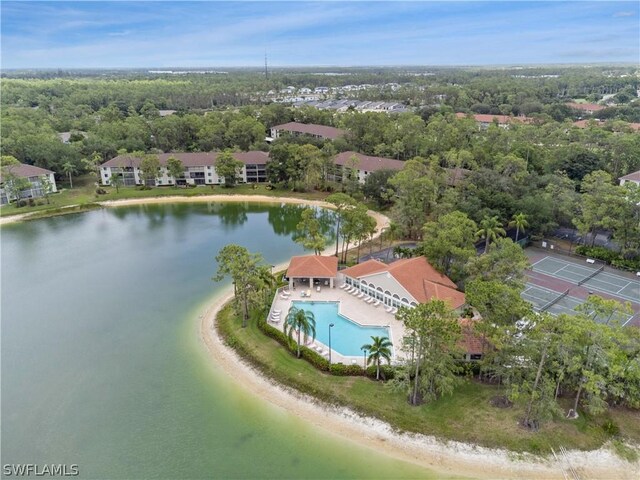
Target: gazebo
(313, 267)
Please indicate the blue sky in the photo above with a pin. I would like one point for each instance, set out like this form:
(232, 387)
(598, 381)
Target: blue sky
(58, 34)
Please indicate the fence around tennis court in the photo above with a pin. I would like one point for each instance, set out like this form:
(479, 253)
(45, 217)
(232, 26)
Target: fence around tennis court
(553, 246)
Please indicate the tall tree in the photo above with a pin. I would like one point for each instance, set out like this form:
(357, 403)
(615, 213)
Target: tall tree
(69, 168)
(116, 181)
(309, 233)
(342, 202)
(228, 167)
(416, 189)
(490, 230)
(505, 263)
(149, 169)
(433, 333)
(243, 267)
(175, 168)
(520, 222)
(379, 349)
(302, 322)
(448, 243)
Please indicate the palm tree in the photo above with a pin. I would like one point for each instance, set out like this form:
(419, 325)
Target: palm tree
(301, 320)
(379, 349)
(390, 234)
(266, 282)
(490, 230)
(69, 168)
(520, 222)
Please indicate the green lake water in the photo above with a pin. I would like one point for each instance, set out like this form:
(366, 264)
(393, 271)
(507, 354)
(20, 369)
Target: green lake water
(101, 362)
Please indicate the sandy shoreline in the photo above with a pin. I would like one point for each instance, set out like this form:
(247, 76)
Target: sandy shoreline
(381, 220)
(450, 458)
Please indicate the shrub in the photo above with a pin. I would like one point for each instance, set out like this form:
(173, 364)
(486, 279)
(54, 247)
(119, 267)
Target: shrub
(629, 261)
(342, 370)
(315, 359)
(387, 372)
(610, 428)
(101, 191)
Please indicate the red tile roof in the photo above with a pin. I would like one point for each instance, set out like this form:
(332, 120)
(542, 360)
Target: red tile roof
(635, 176)
(311, 129)
(191, 159)
(365, 268)
(502, 119)
(316, 266)
(368, 163)
(586, 123)
(24, 170)
(587, 107)
(417, 276)
(471, 341)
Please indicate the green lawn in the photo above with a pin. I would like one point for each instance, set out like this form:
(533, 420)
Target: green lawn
(84, 195)
(465, 416)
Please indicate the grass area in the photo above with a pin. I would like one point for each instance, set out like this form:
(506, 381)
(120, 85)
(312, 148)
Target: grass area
(465, 416)
(83, 194)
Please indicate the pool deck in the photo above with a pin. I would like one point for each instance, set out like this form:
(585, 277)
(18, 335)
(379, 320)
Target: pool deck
(351, 307)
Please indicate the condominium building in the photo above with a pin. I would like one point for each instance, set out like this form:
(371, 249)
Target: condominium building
(35, 176)
(198, 169)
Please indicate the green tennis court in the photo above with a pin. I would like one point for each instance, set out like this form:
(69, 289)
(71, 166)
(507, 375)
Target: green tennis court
(590, 277)
(556, 303)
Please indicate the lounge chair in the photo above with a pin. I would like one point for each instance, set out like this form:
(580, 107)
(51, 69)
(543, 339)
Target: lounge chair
(377, 302)
(309, 293)
(361, 295)
(370, 300)
(285, 293)
(394, 311)
(344, 286)
(318, 289)
(388, 309)
(355, 292)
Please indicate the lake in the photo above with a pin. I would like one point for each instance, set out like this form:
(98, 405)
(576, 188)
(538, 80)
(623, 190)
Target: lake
(101, 362)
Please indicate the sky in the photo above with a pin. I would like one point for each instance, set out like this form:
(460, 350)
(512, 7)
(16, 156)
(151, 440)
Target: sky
(120, 34)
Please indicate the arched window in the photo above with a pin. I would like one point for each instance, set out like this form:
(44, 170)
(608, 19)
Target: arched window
(414, 304)
(405, 301)
(363, 283)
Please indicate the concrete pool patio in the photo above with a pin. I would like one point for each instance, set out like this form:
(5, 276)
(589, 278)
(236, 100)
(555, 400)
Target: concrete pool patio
(350, 306)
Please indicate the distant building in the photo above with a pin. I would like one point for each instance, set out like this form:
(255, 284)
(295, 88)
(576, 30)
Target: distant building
(166, 113)
(35, 177)
(65, 137)
(366, 164)
(309, 129)
(631, 178)
(588, 108)
(199, 169)
(504, 121)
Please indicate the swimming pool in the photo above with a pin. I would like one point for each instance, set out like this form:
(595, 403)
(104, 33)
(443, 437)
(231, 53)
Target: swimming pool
(346, 336)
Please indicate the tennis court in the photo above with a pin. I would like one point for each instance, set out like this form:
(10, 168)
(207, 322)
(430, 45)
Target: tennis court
(556, 303)
(592, 278)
